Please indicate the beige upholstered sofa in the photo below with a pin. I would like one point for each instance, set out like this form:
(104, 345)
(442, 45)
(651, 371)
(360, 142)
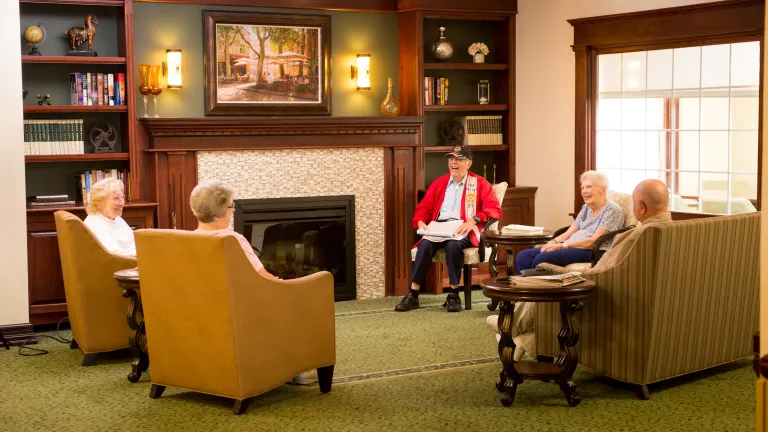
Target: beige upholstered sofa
(684, 299)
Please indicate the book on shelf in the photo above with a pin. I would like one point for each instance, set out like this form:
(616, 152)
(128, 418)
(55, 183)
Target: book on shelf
(48, 198)
(482, 130)
(92, 88)
(436, 90)
(522, 229)
(84, 180)
(53, 137)
(50, 204)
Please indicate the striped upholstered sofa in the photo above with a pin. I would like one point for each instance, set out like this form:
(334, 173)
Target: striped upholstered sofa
(686, 298)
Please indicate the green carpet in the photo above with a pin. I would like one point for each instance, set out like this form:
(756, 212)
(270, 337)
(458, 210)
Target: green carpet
(425, 370)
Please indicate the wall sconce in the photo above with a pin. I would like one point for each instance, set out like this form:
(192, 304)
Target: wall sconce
(362, 71)
(172, 68)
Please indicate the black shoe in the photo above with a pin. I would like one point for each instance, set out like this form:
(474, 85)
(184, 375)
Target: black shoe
(452, 303)
(409, 302)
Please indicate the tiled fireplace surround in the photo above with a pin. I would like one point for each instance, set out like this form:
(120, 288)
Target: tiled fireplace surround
(372, 158)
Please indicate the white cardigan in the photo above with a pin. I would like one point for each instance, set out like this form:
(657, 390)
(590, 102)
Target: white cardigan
(115, 235)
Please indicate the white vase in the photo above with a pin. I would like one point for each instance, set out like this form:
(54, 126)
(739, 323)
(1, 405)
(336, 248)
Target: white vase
(478, 58)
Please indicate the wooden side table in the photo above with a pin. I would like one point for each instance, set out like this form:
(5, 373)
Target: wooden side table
(497, 238)
(128, 280)
(561, 371)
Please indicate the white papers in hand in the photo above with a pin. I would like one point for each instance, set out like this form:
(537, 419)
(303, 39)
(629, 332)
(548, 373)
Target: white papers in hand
(441, 231)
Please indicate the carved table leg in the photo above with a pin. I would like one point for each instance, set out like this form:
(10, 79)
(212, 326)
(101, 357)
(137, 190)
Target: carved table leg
(509, 379)
(494, 271)
(138, 338)
(568, 337)
(510, 261)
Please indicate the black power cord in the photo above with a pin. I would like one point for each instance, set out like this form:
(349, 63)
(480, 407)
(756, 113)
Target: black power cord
(39, 351)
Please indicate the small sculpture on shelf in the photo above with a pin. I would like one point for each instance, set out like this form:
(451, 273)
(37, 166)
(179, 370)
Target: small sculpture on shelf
(483, 92)
(35, 35)
(442, 50)
(81, 35)
(43, 99)
(478, 51)
(103, 138)
(390, 106)
(452, 133)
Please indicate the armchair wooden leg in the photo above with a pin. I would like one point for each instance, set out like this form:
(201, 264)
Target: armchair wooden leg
(325, 377)
(88, 359)
(73, 344)
(156, 391)
(467, 286)
(642, 392)
(240, 406)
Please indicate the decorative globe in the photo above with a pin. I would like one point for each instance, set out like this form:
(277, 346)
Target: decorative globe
(34, 34)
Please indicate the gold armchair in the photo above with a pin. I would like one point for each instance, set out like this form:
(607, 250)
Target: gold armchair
(96, 307)
(216, 326)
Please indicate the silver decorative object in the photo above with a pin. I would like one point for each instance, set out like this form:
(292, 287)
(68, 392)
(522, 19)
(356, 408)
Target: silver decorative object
(442, 50)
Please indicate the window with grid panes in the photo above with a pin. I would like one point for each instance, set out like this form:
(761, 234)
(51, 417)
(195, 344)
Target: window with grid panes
(686, 116)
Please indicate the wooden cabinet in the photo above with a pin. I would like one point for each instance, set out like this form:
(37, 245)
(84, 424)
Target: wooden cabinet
(176, 177)
(47, 302)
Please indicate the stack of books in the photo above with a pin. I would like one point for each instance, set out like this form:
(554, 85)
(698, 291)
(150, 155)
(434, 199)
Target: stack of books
(522, 230)
(551, 281)
(436, 91)
(482, 130)
(50, 200)
(83, 181)
(88, 88)
(53, 137)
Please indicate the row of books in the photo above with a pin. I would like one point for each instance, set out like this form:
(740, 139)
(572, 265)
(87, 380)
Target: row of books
(90, 88)
(53, 137)
(49, 200)
(83, 181)
(482, 130)
(435, 91)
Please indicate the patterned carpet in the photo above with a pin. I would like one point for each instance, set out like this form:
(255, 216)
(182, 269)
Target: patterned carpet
(425, 370)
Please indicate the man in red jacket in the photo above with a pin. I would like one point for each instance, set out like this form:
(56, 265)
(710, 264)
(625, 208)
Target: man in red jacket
(460, 195)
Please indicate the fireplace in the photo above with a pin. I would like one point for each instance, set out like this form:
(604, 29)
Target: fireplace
(295, 237)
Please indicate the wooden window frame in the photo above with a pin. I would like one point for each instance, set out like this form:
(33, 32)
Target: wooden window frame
(722, 22)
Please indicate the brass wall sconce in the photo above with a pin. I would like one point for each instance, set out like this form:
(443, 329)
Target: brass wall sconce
(172, 68)
(362, 72)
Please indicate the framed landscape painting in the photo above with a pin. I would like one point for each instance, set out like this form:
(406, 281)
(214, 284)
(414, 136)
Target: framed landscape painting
(267, 64)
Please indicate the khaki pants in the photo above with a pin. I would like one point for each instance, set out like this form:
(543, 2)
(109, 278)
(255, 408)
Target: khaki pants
(522, 329)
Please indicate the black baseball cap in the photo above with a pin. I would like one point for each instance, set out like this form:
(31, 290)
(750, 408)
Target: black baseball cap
(461, 152)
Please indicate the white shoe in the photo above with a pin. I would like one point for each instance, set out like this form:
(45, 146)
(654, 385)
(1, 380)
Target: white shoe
(305, 378)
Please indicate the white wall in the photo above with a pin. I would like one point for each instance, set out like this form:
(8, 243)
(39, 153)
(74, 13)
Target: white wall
(545, 96)
(14, 307)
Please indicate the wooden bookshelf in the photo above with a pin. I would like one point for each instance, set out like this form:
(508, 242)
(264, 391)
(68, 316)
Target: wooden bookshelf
(90, 157)
(474, 148)
(79, 206)
(50, 109)
(30, 59)
(468, 107)
(466, 66)
(78, 2)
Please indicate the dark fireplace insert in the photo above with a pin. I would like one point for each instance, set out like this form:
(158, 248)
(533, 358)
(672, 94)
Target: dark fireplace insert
(295, 237)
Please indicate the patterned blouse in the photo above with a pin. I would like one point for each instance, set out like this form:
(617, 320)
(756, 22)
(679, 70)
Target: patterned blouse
(610, 218)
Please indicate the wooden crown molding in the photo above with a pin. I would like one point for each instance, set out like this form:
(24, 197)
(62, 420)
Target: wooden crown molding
(251, 133)
(485, 6)
(718, 21)
(343, 5)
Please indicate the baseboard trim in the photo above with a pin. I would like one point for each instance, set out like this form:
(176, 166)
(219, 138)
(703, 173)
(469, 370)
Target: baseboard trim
(16, 334)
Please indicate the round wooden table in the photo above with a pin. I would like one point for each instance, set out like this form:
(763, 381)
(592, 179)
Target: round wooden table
(128, 281)
(496, 238)
(561, 371)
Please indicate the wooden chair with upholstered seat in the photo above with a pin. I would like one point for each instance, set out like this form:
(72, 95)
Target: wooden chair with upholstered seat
(216, 326)
(473, 255)
(97, 309)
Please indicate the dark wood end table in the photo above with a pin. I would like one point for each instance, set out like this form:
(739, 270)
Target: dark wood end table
(561, 371)
(128, 280)
(497, 238)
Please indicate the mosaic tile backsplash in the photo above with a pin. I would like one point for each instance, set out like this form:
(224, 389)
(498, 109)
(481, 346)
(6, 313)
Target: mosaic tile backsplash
(315, 172)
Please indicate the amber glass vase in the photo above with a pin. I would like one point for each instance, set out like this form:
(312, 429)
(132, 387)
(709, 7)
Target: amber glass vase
(154, 82)
(390, 106)
(145, 86)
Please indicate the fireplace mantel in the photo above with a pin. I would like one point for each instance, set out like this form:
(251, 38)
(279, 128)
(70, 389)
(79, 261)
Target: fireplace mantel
(272, 133)
(170, 149)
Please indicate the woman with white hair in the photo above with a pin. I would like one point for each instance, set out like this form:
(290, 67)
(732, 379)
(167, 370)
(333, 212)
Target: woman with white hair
(597, 217)
(105, 209)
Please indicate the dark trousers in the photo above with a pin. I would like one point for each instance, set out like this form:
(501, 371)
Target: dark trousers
(454, 257)
(530, 258)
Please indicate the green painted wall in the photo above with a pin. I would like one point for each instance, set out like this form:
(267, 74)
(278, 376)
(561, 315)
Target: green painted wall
(159, 26)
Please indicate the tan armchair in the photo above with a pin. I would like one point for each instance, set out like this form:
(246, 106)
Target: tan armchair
(683, 300)
(97, 309)
(216, 326)
(473, 255)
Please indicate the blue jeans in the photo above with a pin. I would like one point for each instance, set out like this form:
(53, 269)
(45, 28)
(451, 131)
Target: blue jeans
(530, 258)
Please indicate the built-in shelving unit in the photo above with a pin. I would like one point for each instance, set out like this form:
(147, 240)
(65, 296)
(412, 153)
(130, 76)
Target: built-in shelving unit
(93, 157)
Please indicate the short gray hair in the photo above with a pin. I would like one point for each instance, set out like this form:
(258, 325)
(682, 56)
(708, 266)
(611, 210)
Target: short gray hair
(100, 192)
(210, 199)
(598, 178)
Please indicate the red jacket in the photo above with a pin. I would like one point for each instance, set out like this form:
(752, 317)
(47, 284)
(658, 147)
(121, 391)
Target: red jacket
(428, 210)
